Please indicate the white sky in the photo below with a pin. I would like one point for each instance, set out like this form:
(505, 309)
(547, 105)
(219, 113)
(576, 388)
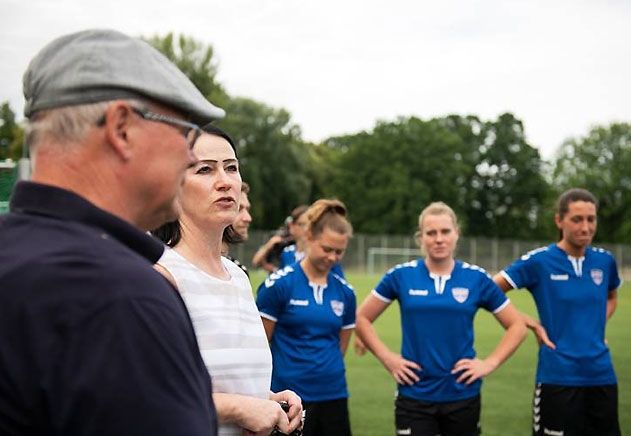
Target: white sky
(338, 66)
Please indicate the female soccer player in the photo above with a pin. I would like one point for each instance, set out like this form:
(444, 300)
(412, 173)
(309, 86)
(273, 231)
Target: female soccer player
(309, 315)
(295, 252)
(273, 251)
(218, 294)
(437, 372)
(574, 286)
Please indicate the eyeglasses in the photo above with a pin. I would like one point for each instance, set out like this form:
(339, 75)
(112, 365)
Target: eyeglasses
(190, 131)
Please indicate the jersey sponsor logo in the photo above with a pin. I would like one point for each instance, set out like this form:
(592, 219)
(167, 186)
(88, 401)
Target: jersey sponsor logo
(420, 292)
(559, 277)
(294, 302)
(460, 294)
(338, 307)
(404, 431)
(597, 276)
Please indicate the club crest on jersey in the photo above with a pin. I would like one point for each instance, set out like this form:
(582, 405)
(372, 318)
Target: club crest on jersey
(597, 276)
(338, 307)
(460, 294)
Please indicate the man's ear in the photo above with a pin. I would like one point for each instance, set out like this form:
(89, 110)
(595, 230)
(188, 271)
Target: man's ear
(119, 118)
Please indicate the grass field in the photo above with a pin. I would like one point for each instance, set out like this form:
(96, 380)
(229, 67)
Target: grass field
(506, 394)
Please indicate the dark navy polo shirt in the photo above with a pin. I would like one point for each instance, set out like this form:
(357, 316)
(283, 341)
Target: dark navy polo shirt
(92, 339)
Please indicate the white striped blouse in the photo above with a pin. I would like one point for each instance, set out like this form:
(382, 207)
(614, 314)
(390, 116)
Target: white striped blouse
(229, 330)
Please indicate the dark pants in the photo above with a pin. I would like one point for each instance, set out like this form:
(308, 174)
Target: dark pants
(421, 418)
(575, 410)
(327, 418)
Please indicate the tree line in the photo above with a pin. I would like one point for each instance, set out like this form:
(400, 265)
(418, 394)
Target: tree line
(486, 170)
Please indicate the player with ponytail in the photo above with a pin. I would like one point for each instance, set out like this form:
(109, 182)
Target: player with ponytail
(308, 313)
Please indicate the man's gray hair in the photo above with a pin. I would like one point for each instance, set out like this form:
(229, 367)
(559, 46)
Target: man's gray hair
(66, 125)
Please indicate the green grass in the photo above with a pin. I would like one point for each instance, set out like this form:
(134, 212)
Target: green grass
(506, 394)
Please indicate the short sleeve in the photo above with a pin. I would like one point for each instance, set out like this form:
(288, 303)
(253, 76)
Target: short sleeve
(350, 308)
(614, 278)
(387, 289)
(271, 298)
(520, 273)
(492, 297)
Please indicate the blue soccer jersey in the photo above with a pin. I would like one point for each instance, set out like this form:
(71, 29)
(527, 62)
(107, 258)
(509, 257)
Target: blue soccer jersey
(437, 315)
(571, 298)
(306, 341)
(290, 255)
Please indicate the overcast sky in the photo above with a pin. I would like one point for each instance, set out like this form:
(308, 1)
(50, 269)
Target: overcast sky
(338, 66)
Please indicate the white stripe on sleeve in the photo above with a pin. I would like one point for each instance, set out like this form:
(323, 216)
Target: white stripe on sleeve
(381, 297)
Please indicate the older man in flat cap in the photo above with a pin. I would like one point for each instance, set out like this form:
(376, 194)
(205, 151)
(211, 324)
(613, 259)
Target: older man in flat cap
(92, 339)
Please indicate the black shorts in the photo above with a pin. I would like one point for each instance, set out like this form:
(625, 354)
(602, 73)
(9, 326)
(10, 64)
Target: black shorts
(420, 418)
(575, 410)
(324, 418)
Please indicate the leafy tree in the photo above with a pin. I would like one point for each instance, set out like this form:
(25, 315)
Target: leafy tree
(600, 162)
(509, 194)
(195, 59)
(387, 175)
(7, 121)
(10, 131)
(485, 170)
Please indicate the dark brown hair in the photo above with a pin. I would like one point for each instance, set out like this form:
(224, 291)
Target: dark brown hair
(570, 196)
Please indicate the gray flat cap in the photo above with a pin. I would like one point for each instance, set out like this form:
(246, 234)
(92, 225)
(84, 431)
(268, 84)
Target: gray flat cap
(100, 65)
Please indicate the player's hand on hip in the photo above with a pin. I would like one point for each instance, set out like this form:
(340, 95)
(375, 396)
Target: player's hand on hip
(472, 370)
(402, 370)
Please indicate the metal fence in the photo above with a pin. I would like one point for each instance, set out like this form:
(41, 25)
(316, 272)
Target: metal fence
(377, 253)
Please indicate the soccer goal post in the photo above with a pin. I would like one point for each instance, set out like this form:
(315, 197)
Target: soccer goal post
(388, 257)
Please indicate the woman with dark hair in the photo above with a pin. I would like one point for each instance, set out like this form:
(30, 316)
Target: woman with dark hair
(218, 294)
(574, 286)
(309, 314)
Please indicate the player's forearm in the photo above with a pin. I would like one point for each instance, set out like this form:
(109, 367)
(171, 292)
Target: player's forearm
(259, 257)
(512, 338)
(367, 333)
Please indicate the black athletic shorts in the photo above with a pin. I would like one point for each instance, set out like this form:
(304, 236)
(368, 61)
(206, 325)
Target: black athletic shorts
(575, 410)
(420, 418)
(327, 418)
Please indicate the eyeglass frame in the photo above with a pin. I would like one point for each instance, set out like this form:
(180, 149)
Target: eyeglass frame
(148, 115)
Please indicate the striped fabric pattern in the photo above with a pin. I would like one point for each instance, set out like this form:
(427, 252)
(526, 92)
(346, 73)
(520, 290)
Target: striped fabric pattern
(228, 326)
